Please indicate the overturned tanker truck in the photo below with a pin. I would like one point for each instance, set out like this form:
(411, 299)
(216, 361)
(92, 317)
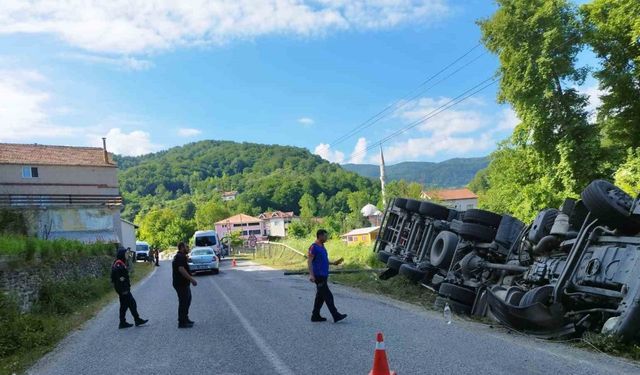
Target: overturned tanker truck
(571, 270)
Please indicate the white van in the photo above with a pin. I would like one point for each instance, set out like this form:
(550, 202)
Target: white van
(142, 250)
(208, 238)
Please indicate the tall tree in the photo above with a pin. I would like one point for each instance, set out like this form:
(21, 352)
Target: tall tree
(612, 29)
(554, 151)
(308, 206)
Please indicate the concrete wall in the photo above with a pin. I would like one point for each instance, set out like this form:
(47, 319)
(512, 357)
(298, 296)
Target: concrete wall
(25, 280)
(67, 180)
(128, 235)
(83, 224)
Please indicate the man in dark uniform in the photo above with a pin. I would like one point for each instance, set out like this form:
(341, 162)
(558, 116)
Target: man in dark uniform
(122, 285)
(318, 262)
(182, 281)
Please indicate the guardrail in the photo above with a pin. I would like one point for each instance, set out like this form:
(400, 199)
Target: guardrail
(58, 200)
(269, 249)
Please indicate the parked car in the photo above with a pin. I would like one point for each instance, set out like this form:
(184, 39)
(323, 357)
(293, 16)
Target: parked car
(203, 259)
(142, 250)
(209, 238)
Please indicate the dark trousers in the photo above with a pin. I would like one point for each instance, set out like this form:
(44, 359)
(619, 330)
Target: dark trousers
(184, 302)
(127, 302)
(323, 295)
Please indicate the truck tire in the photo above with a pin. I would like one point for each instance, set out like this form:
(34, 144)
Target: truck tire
(508, 231)
(415, 274)
(413, 205)
(610, 204)
(486, 218)
(395, 262)
(383, 256)
(578, 215)
(401, 203)
(433, 210)
(477, 232)
(457, 293)
(453, 215)
(456, 307)
(542, 224)
(443, 249)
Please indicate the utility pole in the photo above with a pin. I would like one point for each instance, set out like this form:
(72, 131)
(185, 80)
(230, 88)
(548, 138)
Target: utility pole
(384, 200)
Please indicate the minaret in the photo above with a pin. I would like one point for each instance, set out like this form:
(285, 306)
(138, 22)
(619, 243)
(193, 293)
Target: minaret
(384, 201)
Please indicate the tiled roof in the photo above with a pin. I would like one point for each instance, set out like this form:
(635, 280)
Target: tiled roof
(276, 214)
(229, 193)
(35, 154)
(239, 219)
(450, 194)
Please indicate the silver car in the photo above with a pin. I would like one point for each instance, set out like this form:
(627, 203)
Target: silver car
(203, 259)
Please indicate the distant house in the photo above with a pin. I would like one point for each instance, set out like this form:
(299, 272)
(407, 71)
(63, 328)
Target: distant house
(63, 192)
(247, 225)
(361, 236)
(276, 224)
(373, 214)
(459, 199)
(229, 196)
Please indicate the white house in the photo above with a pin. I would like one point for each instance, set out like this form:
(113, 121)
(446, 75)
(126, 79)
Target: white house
(229, 196)
(459, 199)
(275, 224)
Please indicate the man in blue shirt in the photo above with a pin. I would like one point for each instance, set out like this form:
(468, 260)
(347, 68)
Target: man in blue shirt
(318, 262)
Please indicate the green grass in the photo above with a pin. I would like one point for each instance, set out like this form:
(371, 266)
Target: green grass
(30, 248)
(62, 308)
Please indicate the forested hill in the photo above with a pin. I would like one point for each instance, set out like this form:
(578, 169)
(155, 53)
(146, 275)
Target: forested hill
(449, 173)
(267, 177)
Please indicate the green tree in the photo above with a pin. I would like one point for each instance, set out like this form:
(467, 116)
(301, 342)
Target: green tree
(308, 206)
(537, 43)
(152, 226)
(209, 213)
(627, 177)
(178, 230)
(612, 29)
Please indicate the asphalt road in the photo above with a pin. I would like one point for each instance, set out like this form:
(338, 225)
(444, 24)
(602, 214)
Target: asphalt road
(253, 320)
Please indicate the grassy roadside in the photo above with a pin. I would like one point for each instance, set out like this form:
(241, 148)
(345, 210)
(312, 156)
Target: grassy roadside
(401, 289)
(28, 337)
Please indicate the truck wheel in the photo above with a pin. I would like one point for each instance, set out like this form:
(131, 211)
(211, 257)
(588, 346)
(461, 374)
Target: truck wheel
(415, 274)
(486, 218)
(413, 205)
(395, 262)
(383, 256)
(457, 293)
(542, 225)
(508, 231)
(443, 249)
(433, 210)
(477, 232)
(610, 204)
(400, 203)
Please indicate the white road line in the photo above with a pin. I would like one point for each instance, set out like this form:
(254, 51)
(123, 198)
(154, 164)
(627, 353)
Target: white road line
(271, 355)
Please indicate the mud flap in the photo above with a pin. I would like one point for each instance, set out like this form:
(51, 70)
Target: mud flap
(533, 318)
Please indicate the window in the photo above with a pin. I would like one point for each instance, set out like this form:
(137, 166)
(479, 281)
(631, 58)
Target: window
(29, 172)
(206, 241)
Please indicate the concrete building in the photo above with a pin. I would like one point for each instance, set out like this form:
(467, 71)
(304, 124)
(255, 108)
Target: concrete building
(63, 192)
(276, 224)
(128, 230)
(459, 199)
(229, 196)
(247, 225)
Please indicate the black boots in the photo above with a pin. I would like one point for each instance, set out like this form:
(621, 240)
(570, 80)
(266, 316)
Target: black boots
(141, 321)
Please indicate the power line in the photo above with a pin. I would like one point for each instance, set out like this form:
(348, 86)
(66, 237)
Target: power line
(455, 101)
(381, 114)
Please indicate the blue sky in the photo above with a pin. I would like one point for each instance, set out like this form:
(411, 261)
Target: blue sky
(291, 72)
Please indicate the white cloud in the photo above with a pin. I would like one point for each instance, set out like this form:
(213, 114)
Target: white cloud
(507, 120)
(135, 143)
(189, 132)
(593, 93)
(415, 148)
(126, 27)
(306, 121)
(359, 152)
(450, 121)
(23, 108)
(325, 151)
(121, 62)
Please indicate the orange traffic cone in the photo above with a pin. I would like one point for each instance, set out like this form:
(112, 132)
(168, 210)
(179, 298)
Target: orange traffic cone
(233, 262)
(380, 363)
